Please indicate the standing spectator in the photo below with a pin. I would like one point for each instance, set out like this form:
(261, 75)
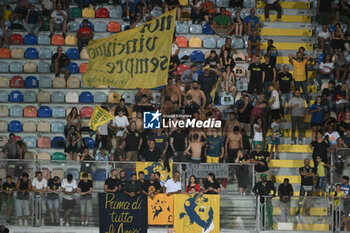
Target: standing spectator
(8, 188)
(172, 4)
(58, 20)
(274, 102)
(11, 149)
(331, 135)
(190, 75)
(193, 186)
(196, 11)
(326, 70)
(178, 144)
(53, 199)
(74, 119)
(69, 187)
(152, 186)
(101, 138)
(84, 35)
(275, 136)
(321, 175)
(270, 75)
(324, 11)
(39, 187)
(59, 61)
(195, 146)
(317, 111)
(173, 186)
(122, 179)
(258, 133)
(337, 41)
(307, 174)
(121, 106)
(244, 113)
(222, 22)
(253, 45)
(299, 74)
(272, 52)
(285, 192)
(161, 142)
(23, 187)
(233, 143)
(118, 125)
(211, 186)
(133, 187)
(112, 184)
(207, 82)
(133, 141)
(242, 171)
(238, 24)
(195, 97)
(251, 22)
(285, 84)
(231, 123)
(151, 153)
(320, 148)
(275, 6)
(261, 159)
(323, 36)
(173, 92)
(336, 195)
(236, 4)
(255, 77)
(214, 147)
(345, 187)
(341, 67)
(3, 34)
(32, 22)
(297, 112)
(85, 187)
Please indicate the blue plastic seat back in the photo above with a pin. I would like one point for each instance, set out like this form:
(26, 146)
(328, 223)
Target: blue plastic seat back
(100, 97)
(58, 97)
(115, 13)
(45, 53)
(73, 54)
(57, 127)
(44, 39)
(86, 97)
(44, 67)
(196, 29)
(30, 39)
(16, 67)
(30, 141)
(197, 56)
(44, 111)
(209, 43)
(16, 111)
(4, 67)
(207, 29)
(238, 43)
(15, 127)
(100, 26)
(31, 82)
(182, 28)
(31, 53)
(75, 172)
(90, 25)
(29, 97)
(220, 42)
(222, 3)
(73, 68)
(58, 143)
(59, 112)
(73, 26)
(16, 96)
(45, 82)
(89, 142)
(100, 174)
(3, 97)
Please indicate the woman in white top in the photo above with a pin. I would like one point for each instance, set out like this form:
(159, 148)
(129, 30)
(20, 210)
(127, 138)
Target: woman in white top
(323, 36)
(326, 69)
(258, 133)
(229, 81)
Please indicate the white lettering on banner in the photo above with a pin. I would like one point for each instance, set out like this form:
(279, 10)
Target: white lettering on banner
(202, 170)
(190, 123)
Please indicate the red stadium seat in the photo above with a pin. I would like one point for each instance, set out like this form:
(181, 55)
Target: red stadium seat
(44, 142)
(113, 27)
(82, 67)
(181, 42)
(86, 112)
(17, 81)
(16, 39)
(57, 40)
(182, 69)
(5, 53)
(102, 13)
(30, 111)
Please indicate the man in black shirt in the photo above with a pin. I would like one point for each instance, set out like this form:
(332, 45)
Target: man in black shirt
(85, 188)
(112, 184)
(207, 82)
(261, 159)
(178, 144)
(213, 60)
(133, 142)
(151, 187)
(285, 84)
(244, 112)
(151, 153)
(122, 178)
(132, 187)
(285, 192)
(119, 153)
(270, 75)
(8, 188)
(256, 77)
(59, 61)
(122, 107)
(307, 174)
(173, 64)
(271, 52)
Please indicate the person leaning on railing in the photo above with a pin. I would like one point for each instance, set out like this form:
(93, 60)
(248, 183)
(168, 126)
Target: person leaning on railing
(112, 184)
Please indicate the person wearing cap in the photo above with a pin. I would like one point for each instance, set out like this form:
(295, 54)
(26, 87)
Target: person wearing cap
(53, 200)
(285, 192)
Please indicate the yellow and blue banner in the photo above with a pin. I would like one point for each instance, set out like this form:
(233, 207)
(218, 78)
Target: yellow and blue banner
(99, 117)
(161, 210)
(149, 167)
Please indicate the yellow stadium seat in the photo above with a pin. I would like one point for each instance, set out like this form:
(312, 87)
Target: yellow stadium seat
(71, 40)
(17, 53)
(311, 227)
(183, 2)
(284, 32)
(287, 5)
(288, 163)
(288, 46)
(292, 179)
(282, 60)
(88, 12)
(195, 42)
(288, 18)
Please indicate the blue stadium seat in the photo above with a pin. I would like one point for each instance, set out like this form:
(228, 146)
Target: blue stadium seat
(73, 26)
(59, 112)
(44, 39)
(44, 67)
(209, 43)
(100, 174)
(30, 39)
(156, 12)
(44, 111)
(15, 127)
(31, 53)
(238, 43)
(30, 141)
(100, 97)
(90, 25)
(220, 42)
(16, 111)
(4, 67)
(249, 3)
(222, 3)
(45, 53)
(73, 54)
(86, 97)
(58, 97)
(58, 143)
(45, 82)
(100, 26)
(3, 97)
(31, 82)
(97, 36)
(57, 127)
(207, 29)
(196, 29)
(73, 68)
(182, 28)
(116, 13)
(16, 96)
(29, 97)
(89, 142)
(197, 56)
(16, 67)
(74, 171)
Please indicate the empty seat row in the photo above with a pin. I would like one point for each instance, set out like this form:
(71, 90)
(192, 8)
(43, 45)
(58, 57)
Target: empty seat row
(32, 127)
(44, 82)
(97, 26)
(43, 39)
(42, 67)
(208, 42)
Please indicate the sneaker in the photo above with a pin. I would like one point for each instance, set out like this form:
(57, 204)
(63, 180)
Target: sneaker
(268, 20)
(25, 222)
(20, 222)
(67, 224)
(61, 222)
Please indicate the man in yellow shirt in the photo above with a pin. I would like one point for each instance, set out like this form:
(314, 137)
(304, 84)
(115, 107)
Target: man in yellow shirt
(299, 64)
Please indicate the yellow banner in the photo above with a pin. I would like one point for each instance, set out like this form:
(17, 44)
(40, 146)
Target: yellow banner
(99, 117)
(161, 210)
(148, 167)
(136, 58)
(194, 214)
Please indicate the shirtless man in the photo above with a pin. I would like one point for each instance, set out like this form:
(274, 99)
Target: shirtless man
(197, 135)
(231, 123)
(139, 121)
(196, 149)
(142, 91)
(195, 95)
(233, 143)
(173, 92)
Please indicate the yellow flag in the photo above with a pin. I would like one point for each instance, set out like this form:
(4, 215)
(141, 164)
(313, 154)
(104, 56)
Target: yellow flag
(136, 58)
(149, 167)
(160, 209)
(99, 117)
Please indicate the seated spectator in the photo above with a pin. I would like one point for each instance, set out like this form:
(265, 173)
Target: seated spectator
(58, 20)
(343, 11)
(341, 67)
(3, 34)
(344, 125)
(20, 11)
(74, 119)
(46, 7)
(207, 10)
(229, 81)
(211, 186)
(213, 61)
(337, 41)
(238, 24)
(69, 187)
(251, 22)
(196, 12)
(23, 187)
(323, 37)
(207, 82)
(190, 75)
(173, 186)
(222, 22)
(53, 199)
(236, 4)
(226, 60)
(227, 47)
(84, 35)
(16, 22)
(151, 153)
(326, 70)
(341, 97)
(11, 149)
(172, 4)
(8, 189)
(133, 187)
(74, 144)
(59, 61)
(331, 135)
(32, 22)
(324, 12)
(7, 12)
(271, 52)
(347, 38)
(193, 186)
(151, 187)
(123, 107)
(112, 184)
(253, 45)
(275, 6)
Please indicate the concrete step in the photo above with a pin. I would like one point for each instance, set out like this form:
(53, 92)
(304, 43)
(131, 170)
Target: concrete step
(278, 25)
(284, 171)
(287, 5)
(294, 156)
(289, 46)
(285, 32)
(287, 18)
(281, 163)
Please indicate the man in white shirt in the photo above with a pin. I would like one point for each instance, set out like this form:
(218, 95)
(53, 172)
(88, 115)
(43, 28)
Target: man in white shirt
(39, 187)
(274, 103)
(58, 20)
(69, 187)
(173, 186)
(297, 112)
(323, 36)
(119, 125)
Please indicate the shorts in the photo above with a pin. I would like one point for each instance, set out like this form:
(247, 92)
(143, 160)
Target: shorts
(103, 139)
(258, 143)
(275, 141)
(53, 204)
(232, 155)
(9, 202)
(68, 204)
(276, 113)
(212, 159)
(86, 207)
(320, 182)
(316, 124)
